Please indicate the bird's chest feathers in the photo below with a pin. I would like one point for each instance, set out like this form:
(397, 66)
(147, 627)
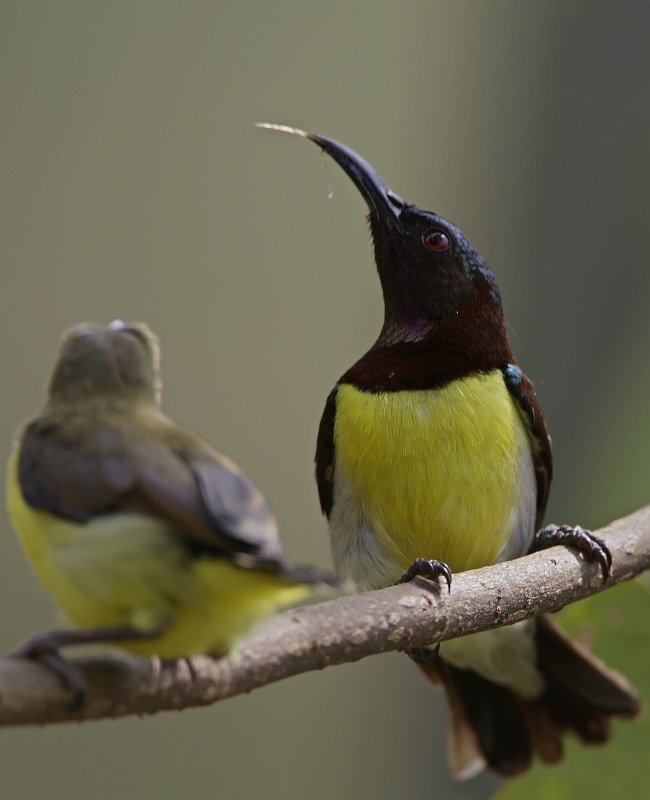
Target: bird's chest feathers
(442, 473)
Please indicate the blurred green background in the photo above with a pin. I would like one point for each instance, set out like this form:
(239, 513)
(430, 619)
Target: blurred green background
(135, 185)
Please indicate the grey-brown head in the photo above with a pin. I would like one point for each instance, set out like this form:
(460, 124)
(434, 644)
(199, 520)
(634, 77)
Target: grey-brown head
(116, 365)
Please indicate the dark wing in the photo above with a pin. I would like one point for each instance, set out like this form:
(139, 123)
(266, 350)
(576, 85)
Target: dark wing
(325, 455)
(79, 467)
(524, 394)
(235, 505)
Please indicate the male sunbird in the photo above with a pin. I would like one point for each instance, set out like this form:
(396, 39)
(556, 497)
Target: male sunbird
(145, 536)
(433, 457)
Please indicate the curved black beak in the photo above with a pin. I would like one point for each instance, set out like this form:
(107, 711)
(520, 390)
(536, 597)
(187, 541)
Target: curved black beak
(382, 202)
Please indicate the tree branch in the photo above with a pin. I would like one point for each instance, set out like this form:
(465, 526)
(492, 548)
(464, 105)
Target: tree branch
(334, 632)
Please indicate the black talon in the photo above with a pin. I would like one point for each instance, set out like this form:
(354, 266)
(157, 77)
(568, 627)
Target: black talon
(422, 655)
(426, 568)
(593, 547)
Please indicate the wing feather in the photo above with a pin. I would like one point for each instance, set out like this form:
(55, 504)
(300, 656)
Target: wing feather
(79, 467)
(521, 389)
(325, 455)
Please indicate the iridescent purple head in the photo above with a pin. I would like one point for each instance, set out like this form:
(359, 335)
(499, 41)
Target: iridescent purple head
(428, 270)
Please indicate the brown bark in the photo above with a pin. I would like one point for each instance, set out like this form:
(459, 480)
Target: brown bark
(335, 632)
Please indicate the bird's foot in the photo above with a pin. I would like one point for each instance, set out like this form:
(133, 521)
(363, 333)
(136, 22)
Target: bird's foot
(426, 568)
(191, 669)
(422, 655)
(593, 547)
(44, 648)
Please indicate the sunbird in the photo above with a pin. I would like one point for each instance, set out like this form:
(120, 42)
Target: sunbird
(145, 536)
(433, 457)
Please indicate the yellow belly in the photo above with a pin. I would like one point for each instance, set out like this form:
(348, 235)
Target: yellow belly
(443, 474)
(129, 569)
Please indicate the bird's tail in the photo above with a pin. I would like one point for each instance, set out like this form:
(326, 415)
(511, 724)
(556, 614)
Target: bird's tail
(293, 574)
(311, 576)
(492, 726)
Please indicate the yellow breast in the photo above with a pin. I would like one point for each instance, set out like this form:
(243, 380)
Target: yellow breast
(443, 473)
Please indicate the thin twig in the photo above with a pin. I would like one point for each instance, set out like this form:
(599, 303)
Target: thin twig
(330, 633)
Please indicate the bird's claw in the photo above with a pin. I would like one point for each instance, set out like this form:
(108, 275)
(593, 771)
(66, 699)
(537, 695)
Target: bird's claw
(43, 649)
(593, 547)
(422, 655)
(426, 568)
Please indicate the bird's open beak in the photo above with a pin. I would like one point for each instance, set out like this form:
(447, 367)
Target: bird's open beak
(382, 202)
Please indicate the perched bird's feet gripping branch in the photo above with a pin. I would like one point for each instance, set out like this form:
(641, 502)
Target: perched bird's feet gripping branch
(426, 568)
(423, 656)
(431, 569)
(44, 647)
(593, 547)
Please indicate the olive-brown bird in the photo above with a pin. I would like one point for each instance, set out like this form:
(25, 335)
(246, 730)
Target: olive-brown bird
(145, 536)
(432, 457)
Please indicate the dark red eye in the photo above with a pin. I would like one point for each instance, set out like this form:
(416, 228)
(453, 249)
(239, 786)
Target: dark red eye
(436, 241)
